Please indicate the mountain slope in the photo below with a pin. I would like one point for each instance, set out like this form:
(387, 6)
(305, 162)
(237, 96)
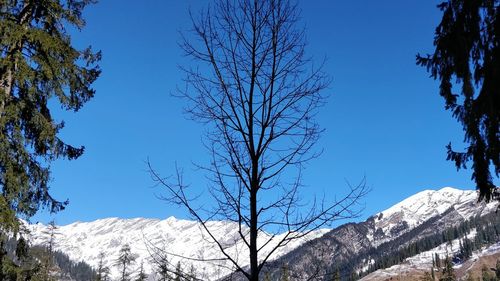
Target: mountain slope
(350, 248)
(177, 238)
(356, 247)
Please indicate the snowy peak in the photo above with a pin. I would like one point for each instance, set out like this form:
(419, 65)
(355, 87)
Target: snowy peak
(427, 204)
(430, 202)
(424, 205)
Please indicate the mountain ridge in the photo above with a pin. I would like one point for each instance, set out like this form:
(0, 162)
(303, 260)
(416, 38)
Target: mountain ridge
(80, 240)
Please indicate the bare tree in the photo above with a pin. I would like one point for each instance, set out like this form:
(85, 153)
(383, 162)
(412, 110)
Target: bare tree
(258, 93)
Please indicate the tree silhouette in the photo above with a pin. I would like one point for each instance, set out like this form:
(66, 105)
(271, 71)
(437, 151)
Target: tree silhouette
(125, 259)
(102, 269)
(467, 52)
(141, 276)
(258, 95)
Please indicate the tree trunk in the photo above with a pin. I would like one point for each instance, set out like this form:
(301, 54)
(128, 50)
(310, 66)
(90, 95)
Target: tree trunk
(7, 78)
(254, 272)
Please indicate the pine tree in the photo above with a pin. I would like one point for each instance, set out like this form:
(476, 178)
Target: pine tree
(48, 254)
(3, 256)
(25, 265)
(427, 276)
(105, 274)
(142, 276)
(284, 273)
(192, 273)
(102, 270)
(461, 248)
(38, 63)
(336, 275)
(22, 249)
(51, 232)
(125, 259)
(438, 260)
(353, 276)
(178, 272)
(497, 269)
(448, 272)
(467, 53)
(162, 269)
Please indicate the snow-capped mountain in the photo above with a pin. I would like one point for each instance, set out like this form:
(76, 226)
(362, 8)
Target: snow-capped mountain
(172, 238)
(359, 244)
(354, 248)
(417, 209)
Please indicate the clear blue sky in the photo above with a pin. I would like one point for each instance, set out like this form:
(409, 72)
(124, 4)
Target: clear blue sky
(384, 120)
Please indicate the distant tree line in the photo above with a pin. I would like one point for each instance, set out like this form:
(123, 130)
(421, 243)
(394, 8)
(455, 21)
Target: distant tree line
(18, 261)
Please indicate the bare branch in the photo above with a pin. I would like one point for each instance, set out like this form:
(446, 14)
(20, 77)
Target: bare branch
(258, 94)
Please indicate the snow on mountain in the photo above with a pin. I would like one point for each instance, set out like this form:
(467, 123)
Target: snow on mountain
(178, 238)
(355, 246)
(184, 238)
(418, 209)
(424, 205)
(422, 262)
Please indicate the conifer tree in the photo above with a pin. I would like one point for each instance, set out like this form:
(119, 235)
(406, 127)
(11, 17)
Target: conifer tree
(353, 276)
(448, 272)
(438, 260)
(336, 275)
(48, 254)
(22, 249)
(102, 270)
(38, 63)
(192, 273)
(125, 259)
(105, 274)
(142, 276)
(284, 273)
(466, 61)
(497, 269)
(427, 276)
(178, 272)
(3, 255)
(162, 269)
